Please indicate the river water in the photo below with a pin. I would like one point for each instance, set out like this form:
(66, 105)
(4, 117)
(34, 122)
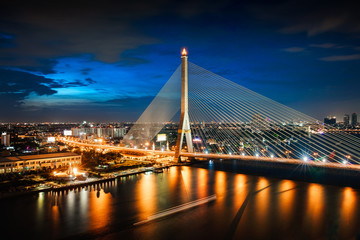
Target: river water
(246, 207)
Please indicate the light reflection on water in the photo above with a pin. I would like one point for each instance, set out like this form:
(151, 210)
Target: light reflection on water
(348, 211)
(275, 208)
(99, 209)
(286, 197)
(262, 202)
(314, 211)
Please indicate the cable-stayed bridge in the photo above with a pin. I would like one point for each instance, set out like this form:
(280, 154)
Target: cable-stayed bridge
(222, 119)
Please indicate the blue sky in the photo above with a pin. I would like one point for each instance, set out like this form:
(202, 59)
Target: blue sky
(106, 60)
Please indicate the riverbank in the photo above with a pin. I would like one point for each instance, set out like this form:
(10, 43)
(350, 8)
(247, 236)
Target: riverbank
(298, 172)
(51, 186)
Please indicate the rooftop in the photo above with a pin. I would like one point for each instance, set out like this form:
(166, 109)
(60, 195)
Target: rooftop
(38, 156)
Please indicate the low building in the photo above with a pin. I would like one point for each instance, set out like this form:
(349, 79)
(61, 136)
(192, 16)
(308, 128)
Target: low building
(330, 120)
(37, 162)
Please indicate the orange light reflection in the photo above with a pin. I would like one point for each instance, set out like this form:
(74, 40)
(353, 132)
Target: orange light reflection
(262, 199)
(314, 208)
(146, 195)
(220, 185)
(240, 191)
(286, 200)
(99, 209)
(347, 211)
(202, 183)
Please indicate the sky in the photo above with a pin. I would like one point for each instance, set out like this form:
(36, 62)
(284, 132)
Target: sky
(106, 60)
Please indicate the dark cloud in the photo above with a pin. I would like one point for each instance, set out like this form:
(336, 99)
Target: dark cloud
(16, 86)
(341, 58)
(85, 71)
(294, 49)
(6, 41)
(323, 45)
(131, 101)
(312, 17)
(43, 31)
(75, 83)
(105, 29)
(90, 80)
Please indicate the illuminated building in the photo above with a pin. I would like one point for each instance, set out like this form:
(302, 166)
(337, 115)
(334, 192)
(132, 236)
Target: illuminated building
(330, 120)
(346, 120)
(99, 132)
(5, 139)
(353, 119)
(37, 162)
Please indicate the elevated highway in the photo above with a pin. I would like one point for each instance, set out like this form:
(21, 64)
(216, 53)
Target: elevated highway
(209, 156)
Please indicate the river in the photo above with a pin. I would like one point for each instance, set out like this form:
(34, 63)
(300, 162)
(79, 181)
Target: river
(246, 207)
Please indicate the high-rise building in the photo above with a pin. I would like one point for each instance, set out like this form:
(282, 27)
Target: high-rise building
(330, 120)
(5, 139)
(353, 119)
(99, 131)
(346, 120)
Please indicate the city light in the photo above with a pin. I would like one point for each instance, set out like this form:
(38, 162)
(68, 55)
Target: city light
(305, 159)
(272, 155)
(184, 52)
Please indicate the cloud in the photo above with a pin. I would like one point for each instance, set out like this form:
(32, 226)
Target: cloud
(16, 86)
(76, 83)
(294, 49)
(341, 58)
(323, 45)
(85, 71)
(43, 31)
(312, 17)
(131, 101)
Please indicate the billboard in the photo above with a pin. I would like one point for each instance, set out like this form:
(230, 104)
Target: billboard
(51, 139)
(67, 132)
(161, 138)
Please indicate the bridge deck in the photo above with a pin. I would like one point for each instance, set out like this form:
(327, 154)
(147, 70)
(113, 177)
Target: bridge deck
(220, 156)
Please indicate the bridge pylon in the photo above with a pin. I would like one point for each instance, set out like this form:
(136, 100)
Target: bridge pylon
(184, 124)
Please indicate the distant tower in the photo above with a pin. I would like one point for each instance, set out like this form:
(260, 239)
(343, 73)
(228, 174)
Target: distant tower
(346, 120)
(184, 125)
(353, 119)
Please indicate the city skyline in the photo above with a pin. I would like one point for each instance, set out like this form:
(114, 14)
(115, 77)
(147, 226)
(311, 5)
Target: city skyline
(106, 62)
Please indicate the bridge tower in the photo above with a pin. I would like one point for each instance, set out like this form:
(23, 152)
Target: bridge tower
(184, 124)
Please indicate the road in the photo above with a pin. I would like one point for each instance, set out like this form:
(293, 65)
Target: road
(207, 156)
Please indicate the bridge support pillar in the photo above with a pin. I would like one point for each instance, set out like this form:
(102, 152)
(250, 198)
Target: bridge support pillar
(184, 124)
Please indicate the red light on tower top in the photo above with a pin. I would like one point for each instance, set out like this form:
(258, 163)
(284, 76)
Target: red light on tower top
(184, 52)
